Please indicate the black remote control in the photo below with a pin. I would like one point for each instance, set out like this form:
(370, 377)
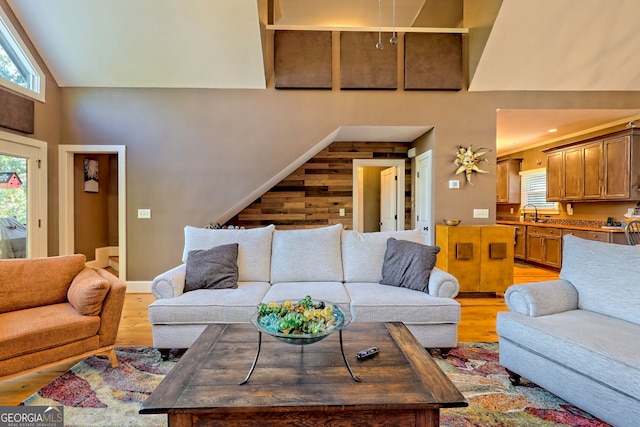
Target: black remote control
(367, 354)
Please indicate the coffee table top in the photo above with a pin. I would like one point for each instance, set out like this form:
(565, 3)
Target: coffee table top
(314, 377)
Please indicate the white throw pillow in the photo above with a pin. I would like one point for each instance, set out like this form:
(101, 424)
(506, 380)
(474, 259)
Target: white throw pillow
(310, 255)
(363, 253)
(254, 248)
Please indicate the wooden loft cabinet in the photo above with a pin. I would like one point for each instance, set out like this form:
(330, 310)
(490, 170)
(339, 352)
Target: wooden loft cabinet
(479, 256)
(508, 181)
(601, 168)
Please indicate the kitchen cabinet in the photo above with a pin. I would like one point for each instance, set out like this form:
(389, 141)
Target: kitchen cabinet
(544, 245)
(601, 168)
(555, 176)
(520, 247)
(600, 236)
(508, 181)
(479, 256)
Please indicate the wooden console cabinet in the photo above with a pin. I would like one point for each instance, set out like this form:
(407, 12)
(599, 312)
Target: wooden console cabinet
(479, 256)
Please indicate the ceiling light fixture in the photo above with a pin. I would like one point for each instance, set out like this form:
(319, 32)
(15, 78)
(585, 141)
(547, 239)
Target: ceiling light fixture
(393, 39)
(379, 45)
(552, 130)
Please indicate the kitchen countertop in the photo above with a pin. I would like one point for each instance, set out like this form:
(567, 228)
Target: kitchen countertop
(562, 226)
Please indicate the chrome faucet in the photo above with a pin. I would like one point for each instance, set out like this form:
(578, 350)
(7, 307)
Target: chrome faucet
(535, 209)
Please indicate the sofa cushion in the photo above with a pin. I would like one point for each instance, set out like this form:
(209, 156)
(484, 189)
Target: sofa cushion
(373, 302)
(592, 344)
(307, 255)
(408, 264)
(363, 253)
(254, 248)
(215, 268)
(606, 276)
(41, 328)
(34, 282)
(87, 292)
(334, 292)
(206, 306)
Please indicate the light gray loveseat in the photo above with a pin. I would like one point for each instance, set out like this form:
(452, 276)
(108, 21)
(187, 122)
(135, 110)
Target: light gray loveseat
(579, 337)
(329, 263)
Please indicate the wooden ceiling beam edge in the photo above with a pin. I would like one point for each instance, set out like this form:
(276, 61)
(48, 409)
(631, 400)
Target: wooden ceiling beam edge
(368, 29)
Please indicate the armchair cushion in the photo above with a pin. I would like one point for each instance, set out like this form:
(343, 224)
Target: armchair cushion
(87, 292)
(215, 268)
(408, 264)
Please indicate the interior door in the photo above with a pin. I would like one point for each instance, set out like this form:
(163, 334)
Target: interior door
(424, 216)
(388, 199)
(20, 201)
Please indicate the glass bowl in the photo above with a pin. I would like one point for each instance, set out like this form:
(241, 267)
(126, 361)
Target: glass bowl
(268, 325)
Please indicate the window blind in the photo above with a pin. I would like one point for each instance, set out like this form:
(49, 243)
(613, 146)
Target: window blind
(533, 190)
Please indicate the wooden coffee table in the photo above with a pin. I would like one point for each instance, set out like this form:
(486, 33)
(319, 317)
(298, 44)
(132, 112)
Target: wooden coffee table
(304, 385)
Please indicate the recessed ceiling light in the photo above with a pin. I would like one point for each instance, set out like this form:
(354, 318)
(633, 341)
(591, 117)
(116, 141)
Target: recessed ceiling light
(552, 130)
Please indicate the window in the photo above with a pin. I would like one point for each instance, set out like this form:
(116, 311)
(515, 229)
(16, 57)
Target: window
(533, 191)
(18, 69)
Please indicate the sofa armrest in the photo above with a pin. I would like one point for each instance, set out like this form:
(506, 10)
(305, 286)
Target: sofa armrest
(542, 298)
(111, 308)
(169, 284)
(443, 284)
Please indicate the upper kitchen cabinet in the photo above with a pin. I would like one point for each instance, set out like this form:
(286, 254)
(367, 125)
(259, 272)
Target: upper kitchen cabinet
(508, 181)
(601, 168)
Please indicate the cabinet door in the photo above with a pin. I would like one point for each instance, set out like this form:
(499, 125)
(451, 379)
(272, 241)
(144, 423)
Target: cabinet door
(519, 250)
(555, 177)
(572, 174)
(616, 153)
(502, 185)
(552, 251)
(534, 248)
(592, 167)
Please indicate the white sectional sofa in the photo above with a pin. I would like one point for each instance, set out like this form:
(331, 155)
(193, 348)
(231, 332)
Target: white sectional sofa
(329, 263)
(578, 337)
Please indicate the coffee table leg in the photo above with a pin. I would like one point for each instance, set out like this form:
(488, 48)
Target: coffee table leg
(255, 360)
(345, 360)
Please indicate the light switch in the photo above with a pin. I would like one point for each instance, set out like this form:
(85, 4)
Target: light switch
(144, 213)
(481, 213)
(342, 213)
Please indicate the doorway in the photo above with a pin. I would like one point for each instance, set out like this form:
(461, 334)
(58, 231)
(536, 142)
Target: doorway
(361, 165)
(23, 197)
(66, 171)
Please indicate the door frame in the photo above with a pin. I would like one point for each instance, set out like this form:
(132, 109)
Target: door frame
(37, 201)
(66, 198)
(398, 163)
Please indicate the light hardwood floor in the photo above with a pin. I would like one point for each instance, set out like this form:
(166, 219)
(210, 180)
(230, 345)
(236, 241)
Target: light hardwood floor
(478, 324)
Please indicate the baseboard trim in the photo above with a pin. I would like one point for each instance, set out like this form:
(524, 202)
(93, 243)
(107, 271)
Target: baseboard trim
(138, 287)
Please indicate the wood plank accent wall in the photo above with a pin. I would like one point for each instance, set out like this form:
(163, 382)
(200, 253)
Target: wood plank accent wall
(313, 195)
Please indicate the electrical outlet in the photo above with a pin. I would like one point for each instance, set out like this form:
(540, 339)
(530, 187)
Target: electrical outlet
(342, 212)
(481, 213)
(144, 213)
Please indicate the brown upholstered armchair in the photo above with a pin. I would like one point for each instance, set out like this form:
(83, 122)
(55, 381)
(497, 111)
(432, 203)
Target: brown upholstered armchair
(55, 310)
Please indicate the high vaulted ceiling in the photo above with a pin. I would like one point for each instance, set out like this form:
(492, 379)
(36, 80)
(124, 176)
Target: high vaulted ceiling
(541, 45)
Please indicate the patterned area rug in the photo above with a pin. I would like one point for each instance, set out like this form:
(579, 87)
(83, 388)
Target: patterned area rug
(95, 395)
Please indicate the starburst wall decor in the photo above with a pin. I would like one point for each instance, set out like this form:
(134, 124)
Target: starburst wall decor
(467, 161)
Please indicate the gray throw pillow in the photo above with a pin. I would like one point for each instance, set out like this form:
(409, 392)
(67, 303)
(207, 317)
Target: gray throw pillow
(215, 268)
(408, 264)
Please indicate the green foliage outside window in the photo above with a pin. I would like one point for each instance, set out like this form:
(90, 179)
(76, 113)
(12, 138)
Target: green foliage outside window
(8, 69)
(13, 201)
